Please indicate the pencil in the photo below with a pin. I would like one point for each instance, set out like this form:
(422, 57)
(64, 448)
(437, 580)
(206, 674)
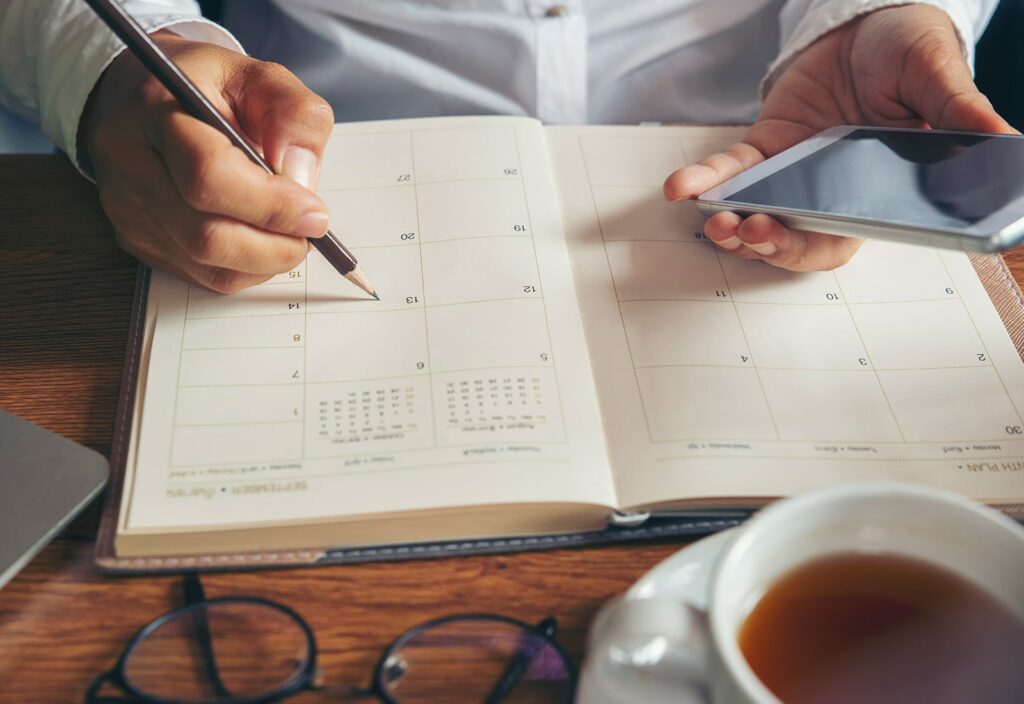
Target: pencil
(192, 99)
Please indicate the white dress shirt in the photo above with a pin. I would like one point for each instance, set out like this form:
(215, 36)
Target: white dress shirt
(574, 61)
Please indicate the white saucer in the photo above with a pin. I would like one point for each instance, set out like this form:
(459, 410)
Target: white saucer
(685, 575)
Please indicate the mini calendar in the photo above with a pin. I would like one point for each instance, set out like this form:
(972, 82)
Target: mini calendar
(552, 332)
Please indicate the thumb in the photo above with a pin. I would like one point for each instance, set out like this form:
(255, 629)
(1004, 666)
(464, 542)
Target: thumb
(951, 100)
(289, 121)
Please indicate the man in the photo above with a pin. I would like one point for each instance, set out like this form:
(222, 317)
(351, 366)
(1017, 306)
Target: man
(182, 199)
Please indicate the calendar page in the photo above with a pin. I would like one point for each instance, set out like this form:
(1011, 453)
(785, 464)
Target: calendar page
(727, 379)
(468, 383)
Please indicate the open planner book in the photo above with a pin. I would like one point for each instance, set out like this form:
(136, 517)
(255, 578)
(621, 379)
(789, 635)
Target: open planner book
(554, 343)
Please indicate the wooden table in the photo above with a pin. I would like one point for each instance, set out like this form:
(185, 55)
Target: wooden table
(65, 293)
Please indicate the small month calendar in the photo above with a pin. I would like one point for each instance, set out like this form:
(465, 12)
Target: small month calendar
(554, 342)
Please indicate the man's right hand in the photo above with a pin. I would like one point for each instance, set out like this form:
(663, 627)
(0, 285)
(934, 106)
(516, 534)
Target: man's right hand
(181, 197)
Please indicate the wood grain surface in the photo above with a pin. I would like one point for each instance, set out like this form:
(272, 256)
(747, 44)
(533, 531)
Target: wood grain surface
(65, 293)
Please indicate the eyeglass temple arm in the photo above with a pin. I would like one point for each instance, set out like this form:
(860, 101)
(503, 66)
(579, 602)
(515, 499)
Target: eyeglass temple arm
(195, 594)
(520, 663)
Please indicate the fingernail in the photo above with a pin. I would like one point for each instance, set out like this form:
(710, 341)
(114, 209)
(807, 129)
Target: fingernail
(312, 225)
(765, 249)
(301, 166)
(731, 243)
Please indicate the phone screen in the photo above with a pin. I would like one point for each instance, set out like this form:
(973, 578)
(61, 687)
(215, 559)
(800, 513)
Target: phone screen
(928, 179)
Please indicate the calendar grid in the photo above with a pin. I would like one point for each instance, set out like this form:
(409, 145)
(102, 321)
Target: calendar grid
(305, 356)
(246, 423)
(696, 243)
(867, 355)
(984, 347)
(332, 409)
(746, 342)
(615, 288)
(419, 375)
(247, 315)
(423, 280)
(797, 389)
(540, 284)
(438, 240)
(462, 347)
(238, 347)
(767, 367)
(475, 179)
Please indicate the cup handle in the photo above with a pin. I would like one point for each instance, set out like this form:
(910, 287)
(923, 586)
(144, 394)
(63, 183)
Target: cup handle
(652, 650)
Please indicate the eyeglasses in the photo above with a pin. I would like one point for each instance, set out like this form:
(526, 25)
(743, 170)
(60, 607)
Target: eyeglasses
(247, 650)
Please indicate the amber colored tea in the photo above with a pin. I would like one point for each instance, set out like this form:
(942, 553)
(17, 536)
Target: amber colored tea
(883, 628)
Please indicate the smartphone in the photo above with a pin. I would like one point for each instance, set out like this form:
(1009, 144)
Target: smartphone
(959, 190)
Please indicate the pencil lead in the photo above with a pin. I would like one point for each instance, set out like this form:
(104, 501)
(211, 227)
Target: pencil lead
(375, 296)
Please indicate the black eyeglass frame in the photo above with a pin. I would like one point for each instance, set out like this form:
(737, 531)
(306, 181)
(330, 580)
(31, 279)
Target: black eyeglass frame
(297, 682)
(545, 630)
(305, 676)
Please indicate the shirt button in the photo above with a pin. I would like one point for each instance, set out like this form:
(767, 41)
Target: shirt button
(556, 11)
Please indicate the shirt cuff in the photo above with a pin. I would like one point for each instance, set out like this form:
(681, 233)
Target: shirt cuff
(82, 69)
(833, 15)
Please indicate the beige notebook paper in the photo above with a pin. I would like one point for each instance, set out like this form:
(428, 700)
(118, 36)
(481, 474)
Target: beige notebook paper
(554, 343)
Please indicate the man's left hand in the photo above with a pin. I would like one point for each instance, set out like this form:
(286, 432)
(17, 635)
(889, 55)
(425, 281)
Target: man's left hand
(896, 67)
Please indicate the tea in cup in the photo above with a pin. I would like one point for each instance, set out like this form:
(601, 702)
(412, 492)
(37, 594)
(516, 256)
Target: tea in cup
(877, 592)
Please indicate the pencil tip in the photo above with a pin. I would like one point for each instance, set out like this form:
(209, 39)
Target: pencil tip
(356, 277)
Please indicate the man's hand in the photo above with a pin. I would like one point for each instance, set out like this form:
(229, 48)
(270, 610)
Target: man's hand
(899, 67)
(180, 196)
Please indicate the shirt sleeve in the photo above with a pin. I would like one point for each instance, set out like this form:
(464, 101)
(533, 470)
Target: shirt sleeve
(54, 52)
(804, 21)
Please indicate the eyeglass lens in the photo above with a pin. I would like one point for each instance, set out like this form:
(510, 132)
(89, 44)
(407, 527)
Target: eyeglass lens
(478, 655)
(254, 649)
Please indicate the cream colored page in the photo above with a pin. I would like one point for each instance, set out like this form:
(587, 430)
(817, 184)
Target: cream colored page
(468, 383)
(726, 378)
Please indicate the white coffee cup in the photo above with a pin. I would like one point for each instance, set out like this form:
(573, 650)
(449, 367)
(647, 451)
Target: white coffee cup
(660, 649)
